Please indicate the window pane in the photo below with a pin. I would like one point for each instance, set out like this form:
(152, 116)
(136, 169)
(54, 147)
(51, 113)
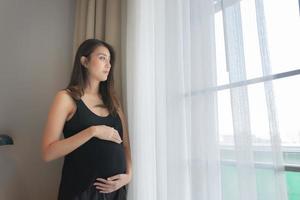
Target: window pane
(259, 124)
(283, 31)
(259, 115)
(293, 180)
(282, 27)
(225, 118)
(230, 184)
(287, 97)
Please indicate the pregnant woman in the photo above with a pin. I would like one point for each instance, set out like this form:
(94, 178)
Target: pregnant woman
(95, 147)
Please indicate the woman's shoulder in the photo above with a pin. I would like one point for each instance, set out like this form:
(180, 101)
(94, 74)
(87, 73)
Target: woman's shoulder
(64, 94)
(64, 98)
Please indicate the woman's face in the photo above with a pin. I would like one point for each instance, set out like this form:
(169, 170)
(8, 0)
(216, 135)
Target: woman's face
(99, 64)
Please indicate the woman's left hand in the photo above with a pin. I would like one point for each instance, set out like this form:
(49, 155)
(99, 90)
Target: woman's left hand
(112, 183)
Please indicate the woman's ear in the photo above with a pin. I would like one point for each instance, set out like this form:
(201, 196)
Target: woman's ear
(83, 61)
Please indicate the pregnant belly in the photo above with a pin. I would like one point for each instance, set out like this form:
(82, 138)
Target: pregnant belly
(100, 158)
(109, 158)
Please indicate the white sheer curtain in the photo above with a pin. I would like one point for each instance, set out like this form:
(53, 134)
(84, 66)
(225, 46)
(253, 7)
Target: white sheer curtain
(169, 54)
(170, 62)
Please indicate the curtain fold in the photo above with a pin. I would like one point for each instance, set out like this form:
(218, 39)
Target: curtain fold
(100, 19)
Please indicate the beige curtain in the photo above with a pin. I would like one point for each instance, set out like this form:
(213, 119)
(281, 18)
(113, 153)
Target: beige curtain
(100, 19)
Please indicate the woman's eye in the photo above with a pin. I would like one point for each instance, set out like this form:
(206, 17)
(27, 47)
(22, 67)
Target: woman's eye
(102, 58)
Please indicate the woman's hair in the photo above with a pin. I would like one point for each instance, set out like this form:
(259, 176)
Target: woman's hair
(79, 76)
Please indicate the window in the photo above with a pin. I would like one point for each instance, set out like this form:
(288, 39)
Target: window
(257, 48)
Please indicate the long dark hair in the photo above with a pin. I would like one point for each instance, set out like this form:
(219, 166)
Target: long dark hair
(79, 75)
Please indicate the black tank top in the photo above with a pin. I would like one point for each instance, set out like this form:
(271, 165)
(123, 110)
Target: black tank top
(94, 159)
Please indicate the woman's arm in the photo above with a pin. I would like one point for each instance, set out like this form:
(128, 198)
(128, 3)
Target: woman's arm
(52, 146)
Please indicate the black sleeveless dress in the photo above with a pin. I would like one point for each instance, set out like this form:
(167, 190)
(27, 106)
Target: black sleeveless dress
(94, 159)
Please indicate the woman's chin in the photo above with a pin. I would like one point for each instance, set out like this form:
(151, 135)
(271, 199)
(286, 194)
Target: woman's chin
(103, 79)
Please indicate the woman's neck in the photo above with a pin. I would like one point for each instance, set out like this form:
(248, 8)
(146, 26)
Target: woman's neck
(92, 88)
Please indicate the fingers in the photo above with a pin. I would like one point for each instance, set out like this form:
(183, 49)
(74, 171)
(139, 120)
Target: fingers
(116, 140)
(104, 189)
(106, 182)
(116, 137)
(118, 176)
(106, 186)
(111, 134)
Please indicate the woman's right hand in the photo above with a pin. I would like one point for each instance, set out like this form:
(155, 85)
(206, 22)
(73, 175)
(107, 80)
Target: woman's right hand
(104, 132)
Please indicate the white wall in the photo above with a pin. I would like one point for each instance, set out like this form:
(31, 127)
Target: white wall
(35, 62)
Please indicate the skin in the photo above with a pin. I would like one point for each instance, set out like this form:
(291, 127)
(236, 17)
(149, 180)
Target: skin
(63, 108)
